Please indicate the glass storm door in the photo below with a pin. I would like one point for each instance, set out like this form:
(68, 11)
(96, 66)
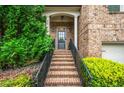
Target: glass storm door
(61, 40)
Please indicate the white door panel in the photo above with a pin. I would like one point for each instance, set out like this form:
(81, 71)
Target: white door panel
(113, 52)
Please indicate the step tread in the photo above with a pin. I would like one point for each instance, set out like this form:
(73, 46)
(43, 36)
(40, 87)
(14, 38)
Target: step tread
(67, 56)
(62, 85)
(63, 67)
(63, 76)
(62, 73)
(62, 55)
(59, 53)
(63, 59)
(62, 81)
(62, 51)
(62, 62)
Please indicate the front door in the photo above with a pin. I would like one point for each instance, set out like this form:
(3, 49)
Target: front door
(61, 39)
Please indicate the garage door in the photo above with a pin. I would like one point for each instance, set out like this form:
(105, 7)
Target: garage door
(113, 51)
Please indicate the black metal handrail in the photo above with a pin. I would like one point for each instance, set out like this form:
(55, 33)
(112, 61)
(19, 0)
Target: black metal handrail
(82, 69)
(43, 70)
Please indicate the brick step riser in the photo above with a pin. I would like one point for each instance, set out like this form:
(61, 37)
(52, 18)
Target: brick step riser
(63, 69)
(61, 50)
(62, 76)
(62, 65)
(63, 72)
(60, 82)
(68, 63)
(74, 85)
(63, 83)
(63, 61)
(62, 54)
(63, 80)
(62, 57)
(56, 74)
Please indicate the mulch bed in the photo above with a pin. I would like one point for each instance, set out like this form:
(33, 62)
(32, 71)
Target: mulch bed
(12, 73)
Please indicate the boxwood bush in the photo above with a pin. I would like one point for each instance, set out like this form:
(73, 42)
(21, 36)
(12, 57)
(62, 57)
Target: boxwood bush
(21, 80)
(106, 73)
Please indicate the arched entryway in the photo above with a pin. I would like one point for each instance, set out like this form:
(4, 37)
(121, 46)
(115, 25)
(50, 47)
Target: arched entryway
(62, 26)
(62, 29)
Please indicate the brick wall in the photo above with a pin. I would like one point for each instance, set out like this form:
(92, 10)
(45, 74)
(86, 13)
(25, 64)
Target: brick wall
(83, 31)
(98, 25)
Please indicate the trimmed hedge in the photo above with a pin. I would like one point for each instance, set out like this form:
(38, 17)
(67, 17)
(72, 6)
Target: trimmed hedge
(106, 73)
(22, 80)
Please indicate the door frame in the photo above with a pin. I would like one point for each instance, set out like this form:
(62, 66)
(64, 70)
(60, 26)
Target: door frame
(61, 29)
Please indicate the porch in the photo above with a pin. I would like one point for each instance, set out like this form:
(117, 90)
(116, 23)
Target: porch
(62, 25)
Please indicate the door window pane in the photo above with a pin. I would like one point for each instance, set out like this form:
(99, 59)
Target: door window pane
(61, 40)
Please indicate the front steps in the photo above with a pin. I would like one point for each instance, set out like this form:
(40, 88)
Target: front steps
(62, 71)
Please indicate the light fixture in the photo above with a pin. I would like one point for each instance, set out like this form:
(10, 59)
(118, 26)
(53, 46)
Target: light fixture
(62, 17)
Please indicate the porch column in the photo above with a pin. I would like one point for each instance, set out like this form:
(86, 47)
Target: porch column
(48, 24)
(75, 31)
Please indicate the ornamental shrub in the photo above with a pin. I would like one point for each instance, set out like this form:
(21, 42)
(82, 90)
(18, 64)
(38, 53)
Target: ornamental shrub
(21, 80)
(24, 35)
(106, 73)
(13, 53)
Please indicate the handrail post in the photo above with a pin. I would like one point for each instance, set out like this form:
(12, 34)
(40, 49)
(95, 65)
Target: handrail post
(75, 55)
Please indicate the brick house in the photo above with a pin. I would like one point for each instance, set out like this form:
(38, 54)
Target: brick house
(96, 30)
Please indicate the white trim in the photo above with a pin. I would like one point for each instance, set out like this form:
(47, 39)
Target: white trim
(48, 24)
(61, 12)
(57, 39)
(75, 31)
(122, 8)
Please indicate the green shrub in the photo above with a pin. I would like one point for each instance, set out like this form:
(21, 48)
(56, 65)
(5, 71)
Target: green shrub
(106, 73)
(13, 53)
(25, 35)
(22, 80)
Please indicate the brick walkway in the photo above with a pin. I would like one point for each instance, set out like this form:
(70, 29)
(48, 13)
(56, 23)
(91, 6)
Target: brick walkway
(62, 71)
